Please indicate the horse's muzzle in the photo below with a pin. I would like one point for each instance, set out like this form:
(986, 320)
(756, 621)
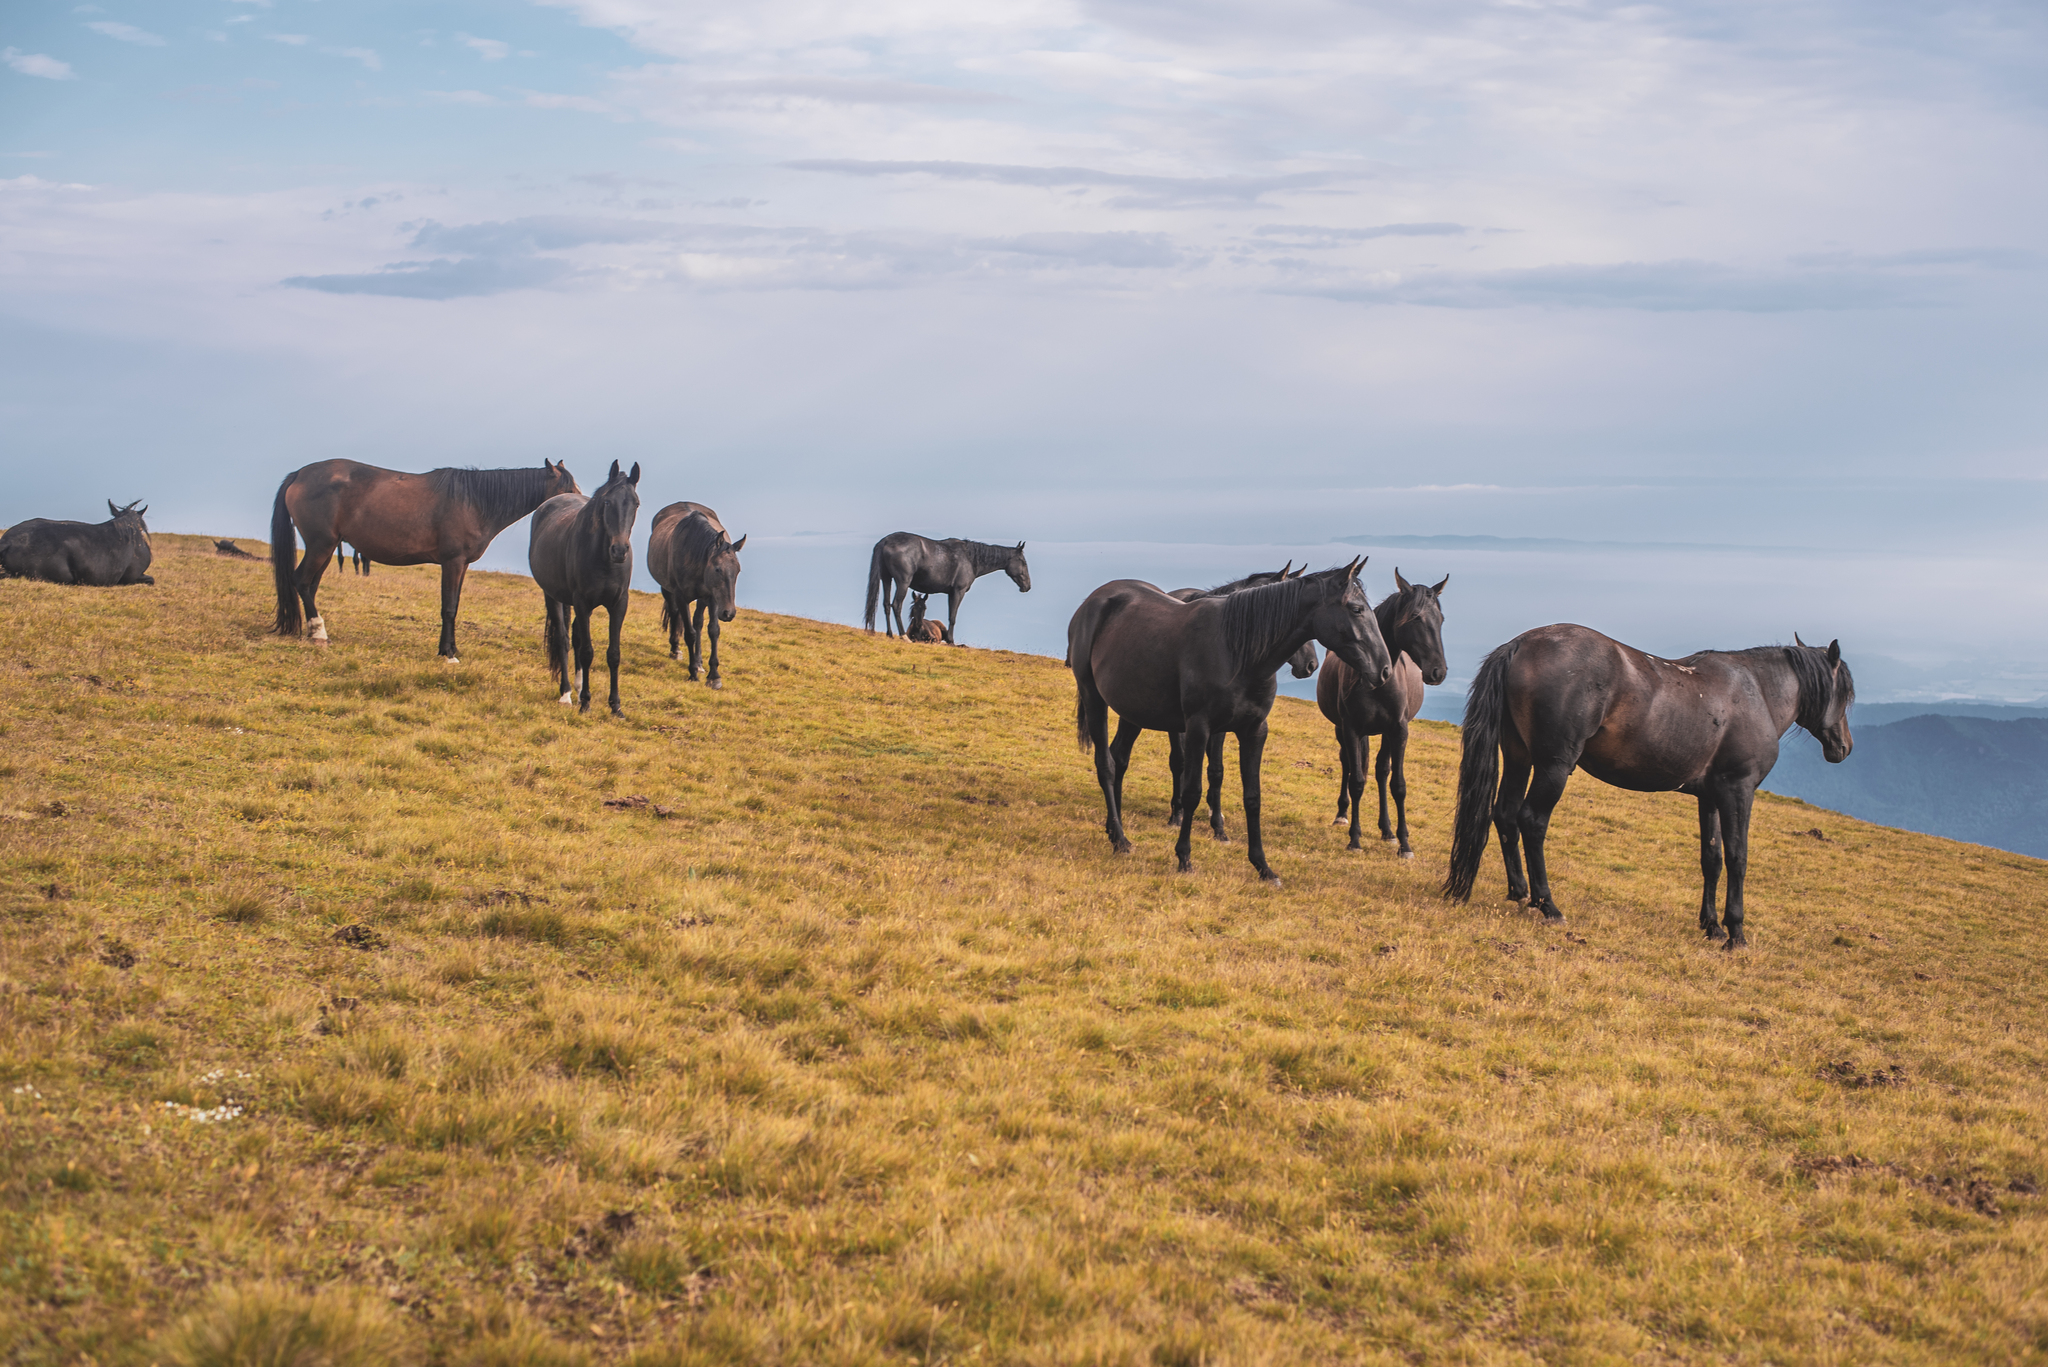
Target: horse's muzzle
(727, 614)
(1436, 676)
(619, 554)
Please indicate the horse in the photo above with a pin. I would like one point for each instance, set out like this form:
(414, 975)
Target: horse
(1412, 621)
(904, 561)
(581, 555)
(1565, 697)
(694, 561)
(922, 630)
(359, 560)
(1302, 662)
(99, 554)
(445, 517)
(1200, 668)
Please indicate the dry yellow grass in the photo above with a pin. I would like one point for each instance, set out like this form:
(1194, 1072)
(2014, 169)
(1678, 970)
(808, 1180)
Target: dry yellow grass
(869, 1051)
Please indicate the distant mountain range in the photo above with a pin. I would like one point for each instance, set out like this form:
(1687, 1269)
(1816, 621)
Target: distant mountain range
(1966, 770)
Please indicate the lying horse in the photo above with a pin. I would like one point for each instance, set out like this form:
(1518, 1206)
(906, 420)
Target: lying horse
(581, 555)
(102, 554)
(1562, 697)
(694, 561)
(444, 517)
(1412, 621)
(903, 562)
(1302, 662)
(922, 630)
(1201, 668)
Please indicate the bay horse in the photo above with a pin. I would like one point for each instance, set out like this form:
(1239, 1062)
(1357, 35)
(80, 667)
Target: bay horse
(1201, 668)
(581, 555)
(904, 561)
(694, 561)
(1565, 697)
(1302, 662)
(923, 630)
(97, 554)
(1412, 621)
(446, 517)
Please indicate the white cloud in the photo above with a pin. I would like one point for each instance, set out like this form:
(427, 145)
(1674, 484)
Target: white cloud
(367, 56)
(490, 49)
(126, 33)
(290, 39)
(37, 64)
(476, 97)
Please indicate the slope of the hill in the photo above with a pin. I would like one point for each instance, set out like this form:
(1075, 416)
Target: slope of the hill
(1963, 777)
(340, 1013)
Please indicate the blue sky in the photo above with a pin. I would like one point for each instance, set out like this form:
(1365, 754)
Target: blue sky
(1209, 274)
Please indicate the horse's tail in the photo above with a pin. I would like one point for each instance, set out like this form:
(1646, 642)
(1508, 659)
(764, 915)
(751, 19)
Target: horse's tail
(669, 620)
(874, 583)
(283, 552)
(558, 642)
(1478, 770)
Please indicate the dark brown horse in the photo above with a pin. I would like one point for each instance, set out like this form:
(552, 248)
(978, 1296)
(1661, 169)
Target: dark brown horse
(923, 630)
(694, 561)
(1302, 662)
(904, 561)
(1708, 725)
(1412, 621)
(581, 555)
(444, 517)
(1201, 668)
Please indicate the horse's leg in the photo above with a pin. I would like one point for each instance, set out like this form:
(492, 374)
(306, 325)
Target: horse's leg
(711, 678)
(1251, 753)
(453, 572)
(695, 628)
(1396, 740)
(1105, 767)
(1216, 788)
(579, 635)
(1194, 745)
(1736, 800)
(898, 590)
(1507, 812)
(953, 597)
(317, 557)
(1544, 792)
(1343, 780)
(1120, 755)
(1710, 865)
(1175, 743)
(673, 607)
(615, 618)
(1357, 745)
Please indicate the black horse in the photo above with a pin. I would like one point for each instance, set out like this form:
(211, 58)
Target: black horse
(1302, 662)
(1412, 621)
(903, 561)
(445, 517)
(694, 561)
(102, 554)
(581, 555)
(1200, 668)
(1561, 697)
(344, 559)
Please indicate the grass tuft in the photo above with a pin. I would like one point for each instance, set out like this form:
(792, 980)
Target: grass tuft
(267, 1325)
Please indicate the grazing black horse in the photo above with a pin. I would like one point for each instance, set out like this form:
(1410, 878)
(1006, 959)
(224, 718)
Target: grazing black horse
(581, 555)
(1201, 668)
(1412, 621)
(1561, 697)
(101, 554)
(903, 561)
(445, 517)
(1302, 662)
(694, 561)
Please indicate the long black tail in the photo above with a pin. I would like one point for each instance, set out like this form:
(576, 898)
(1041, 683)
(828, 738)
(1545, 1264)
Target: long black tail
(669, 620)
(874, 583)
(558, 642)
(284, 551)
(1479, 770)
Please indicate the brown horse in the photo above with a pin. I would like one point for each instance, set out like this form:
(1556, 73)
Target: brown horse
(1412, 621)
(1204, 667)
(923, 630)
(695, 561)
(1565, 697)
(445, 517)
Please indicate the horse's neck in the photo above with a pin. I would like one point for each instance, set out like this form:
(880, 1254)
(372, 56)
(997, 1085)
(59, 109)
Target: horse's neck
(1282, 651)
(1777, 684)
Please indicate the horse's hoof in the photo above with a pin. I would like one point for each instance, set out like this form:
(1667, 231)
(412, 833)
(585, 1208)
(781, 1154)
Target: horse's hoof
(1186, 866)
(714, 683)
(1120, 846)
(1407, 854)
(568, 700)
(1354, 845)
(1386, 839)
(677, 654)
(1271, 880)
(1735, 942)
(1715, 933)
(1339, 819)
(1551, 915)
(451, 659)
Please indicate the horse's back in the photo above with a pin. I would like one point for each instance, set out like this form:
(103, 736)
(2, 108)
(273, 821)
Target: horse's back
(99, 554)
(1135, 639)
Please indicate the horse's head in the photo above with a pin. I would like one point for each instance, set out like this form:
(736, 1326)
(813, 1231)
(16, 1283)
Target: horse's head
(1826, 689)
(559, 480)
(917, 602)
(1343, 621)
(722, 578)
(1412, 621)
(1303, 661)
(618, 504)
(1019, 572)
(134, 510)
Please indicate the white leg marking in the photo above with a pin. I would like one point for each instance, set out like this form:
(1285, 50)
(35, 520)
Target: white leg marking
(316, 630)
(568, 700)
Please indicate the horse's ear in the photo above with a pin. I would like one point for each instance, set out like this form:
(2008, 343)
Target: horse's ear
(1286, 567)
(633, 478)
(1399, 582)
(1439, 586)
(1303, 570)
(616, 472)
(140, 511)
(1020, 545)
(1796, 641)
(112, 511)
(737, 544)
(1834, 652)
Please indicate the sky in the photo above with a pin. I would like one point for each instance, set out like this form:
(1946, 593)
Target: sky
(1736, 310)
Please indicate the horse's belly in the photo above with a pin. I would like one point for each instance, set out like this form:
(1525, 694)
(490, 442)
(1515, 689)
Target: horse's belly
(1661, 773)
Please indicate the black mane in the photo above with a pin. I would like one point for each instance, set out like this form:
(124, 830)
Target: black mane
(985, 557)
(501, 496)
(1255, 619)
(1818, 682)
(1388, 609)
(698, 539)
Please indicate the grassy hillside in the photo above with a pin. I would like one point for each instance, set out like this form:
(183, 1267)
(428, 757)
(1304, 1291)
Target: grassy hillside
(338, 1007)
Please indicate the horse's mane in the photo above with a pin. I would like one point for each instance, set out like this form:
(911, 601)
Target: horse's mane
(698, 538)
(1254, 619)
(1388, 609)
(1818, 683)
(502, 496)
(985, 557)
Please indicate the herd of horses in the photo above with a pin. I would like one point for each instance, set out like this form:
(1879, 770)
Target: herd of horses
(1198, 664)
